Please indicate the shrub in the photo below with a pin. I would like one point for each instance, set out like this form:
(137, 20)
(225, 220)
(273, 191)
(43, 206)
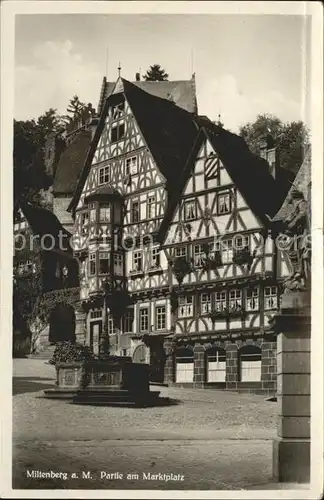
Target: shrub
(66, 352)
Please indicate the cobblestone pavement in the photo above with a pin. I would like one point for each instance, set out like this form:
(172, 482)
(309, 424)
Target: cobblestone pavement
(214, 439)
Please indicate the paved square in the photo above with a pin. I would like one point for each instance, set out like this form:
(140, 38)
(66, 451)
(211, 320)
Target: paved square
(207, 440)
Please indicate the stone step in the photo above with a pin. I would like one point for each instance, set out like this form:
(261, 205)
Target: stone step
(46, 353)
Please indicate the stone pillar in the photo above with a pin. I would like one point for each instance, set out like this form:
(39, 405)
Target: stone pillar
(269, 367)
(80, 325)
(291, 449)
(169, 368)
(231, 366)
(199, 366)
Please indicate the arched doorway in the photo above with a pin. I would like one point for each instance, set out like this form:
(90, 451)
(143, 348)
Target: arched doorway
(141, 354)
(184, 365)
(215, 365)
(62, 324)
(250, 363)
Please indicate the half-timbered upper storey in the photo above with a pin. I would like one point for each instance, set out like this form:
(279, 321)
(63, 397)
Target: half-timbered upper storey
(182, 181)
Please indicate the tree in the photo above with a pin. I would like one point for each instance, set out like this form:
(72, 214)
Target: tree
(156, 74)
(78, 113)
(290, 138)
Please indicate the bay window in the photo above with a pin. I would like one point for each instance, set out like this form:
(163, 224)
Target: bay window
(103, 262)
(104, 213)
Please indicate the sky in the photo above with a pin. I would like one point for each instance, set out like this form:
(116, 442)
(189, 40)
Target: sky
(244, 64)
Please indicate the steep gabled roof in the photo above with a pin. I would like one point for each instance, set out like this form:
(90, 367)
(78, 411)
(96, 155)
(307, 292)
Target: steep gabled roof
(301, 184)
(71, 162)
(43, 223)
(249, 173)
(181, 92)
(168, 131)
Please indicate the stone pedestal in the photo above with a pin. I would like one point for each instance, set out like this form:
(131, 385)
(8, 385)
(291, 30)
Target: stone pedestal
(291, 449)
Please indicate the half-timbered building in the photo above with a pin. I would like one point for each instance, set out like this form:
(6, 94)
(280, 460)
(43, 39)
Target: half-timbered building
(171, 215)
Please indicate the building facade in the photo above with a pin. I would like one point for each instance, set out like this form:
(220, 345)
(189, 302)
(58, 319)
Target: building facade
(171, 216)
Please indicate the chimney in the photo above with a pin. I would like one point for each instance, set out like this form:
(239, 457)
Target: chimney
(138, 77)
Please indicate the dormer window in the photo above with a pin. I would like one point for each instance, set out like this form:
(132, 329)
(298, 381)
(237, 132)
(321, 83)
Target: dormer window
(190, 210)
(117, 132)
(104, 174)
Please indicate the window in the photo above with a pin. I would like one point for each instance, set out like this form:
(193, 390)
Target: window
(93, 214)
(190, 210)
(220, 301)
(216, 365)
(92, 264)
(250, 363)
(235, 300)
(223, 203)
(137, 261)
(241, 242)
(118, 110)
(160, 318)
(96, 314)
(184, 365)
(199, 255)
(104, 175)
(84, 222)
(226, 247)
(118, 263)
(135, 212)
(205, 303)
(104, 213)
(144, 320)
(155, 257)
(252, 299)
(128, 321)
(103, 262)
(111, 325)
(180, 252)
(185, 309)
(151, 206)
(117, 132)
(131, 166)
(270, 297)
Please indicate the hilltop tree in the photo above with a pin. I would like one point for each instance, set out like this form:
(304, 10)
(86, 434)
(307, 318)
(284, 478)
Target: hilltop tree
(156, 74)
(290, 138)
